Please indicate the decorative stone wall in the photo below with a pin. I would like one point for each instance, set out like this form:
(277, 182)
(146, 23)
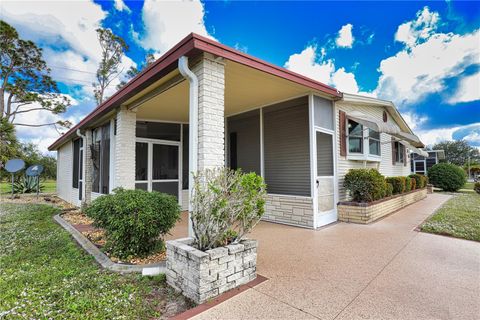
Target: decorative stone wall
(292, 210)
(211, 105)
(124, 165)
(201, 275)
(368, 212)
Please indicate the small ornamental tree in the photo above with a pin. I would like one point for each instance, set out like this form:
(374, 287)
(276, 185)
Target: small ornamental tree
(226, 205)
(447, 176)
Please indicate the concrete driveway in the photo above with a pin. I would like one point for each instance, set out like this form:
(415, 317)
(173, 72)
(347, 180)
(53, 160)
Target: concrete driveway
(385, 270)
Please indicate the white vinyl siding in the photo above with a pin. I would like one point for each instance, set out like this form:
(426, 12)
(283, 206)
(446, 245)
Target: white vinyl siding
(385, 166)
(64, 173)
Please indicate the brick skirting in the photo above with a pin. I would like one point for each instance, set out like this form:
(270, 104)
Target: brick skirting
(368, 212)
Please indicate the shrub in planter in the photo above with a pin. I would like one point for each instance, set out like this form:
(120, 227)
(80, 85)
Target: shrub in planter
(408, 184)
(398, 184)
(424, 181)
(226, 205)
(418, 180)
(134, 220)
(447, 176)
(365, 185)
(476, 187)
(388, 190)
(413, 183)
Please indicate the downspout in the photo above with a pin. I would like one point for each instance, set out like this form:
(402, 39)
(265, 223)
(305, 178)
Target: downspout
(84, 141)
(192, 131)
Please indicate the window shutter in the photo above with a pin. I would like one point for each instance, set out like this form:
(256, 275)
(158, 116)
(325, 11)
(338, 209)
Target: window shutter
(393, 151)
(343, 133)
(404, 156)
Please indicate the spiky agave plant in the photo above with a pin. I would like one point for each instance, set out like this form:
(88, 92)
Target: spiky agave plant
(27, 184)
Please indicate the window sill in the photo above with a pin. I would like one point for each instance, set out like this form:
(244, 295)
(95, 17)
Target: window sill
(364, 157)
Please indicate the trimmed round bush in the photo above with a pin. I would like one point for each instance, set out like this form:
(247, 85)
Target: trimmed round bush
(365, 185)
(389, 190)
(134, 220)
(447, 176)
(418, 180)
(408, 184)
(398, 184)
(413, 183)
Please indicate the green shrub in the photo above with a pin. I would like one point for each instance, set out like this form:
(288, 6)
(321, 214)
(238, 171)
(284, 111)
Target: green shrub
(398, 184)
(413, 183)
(134, 220)
(27, 184)
(388, 190)
(447, 176)
(418, 180)
(408, 184)
(424, 180)
(365, 185)
(476, 187)
(226, 205)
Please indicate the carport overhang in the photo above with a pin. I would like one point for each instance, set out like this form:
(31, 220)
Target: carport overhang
(249, 83)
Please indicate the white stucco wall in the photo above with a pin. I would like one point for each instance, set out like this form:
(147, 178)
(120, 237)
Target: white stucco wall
(385, 166)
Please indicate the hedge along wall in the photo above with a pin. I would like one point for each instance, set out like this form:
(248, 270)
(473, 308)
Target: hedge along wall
(368, 212)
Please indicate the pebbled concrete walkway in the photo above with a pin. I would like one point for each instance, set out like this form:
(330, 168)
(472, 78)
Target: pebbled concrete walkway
(385, 270)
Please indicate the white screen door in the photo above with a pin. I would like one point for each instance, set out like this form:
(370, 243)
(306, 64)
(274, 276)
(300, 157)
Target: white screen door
(325, 181)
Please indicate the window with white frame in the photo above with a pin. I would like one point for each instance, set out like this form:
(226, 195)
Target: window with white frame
(365, 142)
(355, 137)
(373, 142)
(100, 149)
(399, 152)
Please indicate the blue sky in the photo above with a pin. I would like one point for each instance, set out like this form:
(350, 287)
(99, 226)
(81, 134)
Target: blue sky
(423, 56)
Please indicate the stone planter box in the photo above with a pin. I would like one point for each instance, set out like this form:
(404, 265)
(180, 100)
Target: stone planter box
(368, 212)
(201, 275)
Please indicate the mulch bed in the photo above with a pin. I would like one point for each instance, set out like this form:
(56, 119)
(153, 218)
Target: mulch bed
(97, 236)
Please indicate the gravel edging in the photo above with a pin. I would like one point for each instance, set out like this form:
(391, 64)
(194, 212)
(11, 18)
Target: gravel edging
(103, 259)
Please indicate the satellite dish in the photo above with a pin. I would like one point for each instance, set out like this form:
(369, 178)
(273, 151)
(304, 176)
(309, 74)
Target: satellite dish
(14, 165)
(35, 170)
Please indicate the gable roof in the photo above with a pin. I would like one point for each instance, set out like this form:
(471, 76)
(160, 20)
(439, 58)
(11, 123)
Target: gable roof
(190, 46)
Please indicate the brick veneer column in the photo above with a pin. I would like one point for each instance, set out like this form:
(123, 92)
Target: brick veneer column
(88, 168)
(125, 149)
(211, 101)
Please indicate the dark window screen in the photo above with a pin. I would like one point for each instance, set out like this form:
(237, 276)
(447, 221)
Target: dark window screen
(233, 150)
(158, 130)
(185, 157)
(141, 161)
(76, 163)
(165, 162)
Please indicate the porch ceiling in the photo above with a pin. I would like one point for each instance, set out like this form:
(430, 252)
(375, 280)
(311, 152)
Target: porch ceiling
(245, 89)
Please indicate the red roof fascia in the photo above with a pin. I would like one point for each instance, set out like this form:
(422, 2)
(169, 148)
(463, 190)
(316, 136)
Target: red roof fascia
(189, 44)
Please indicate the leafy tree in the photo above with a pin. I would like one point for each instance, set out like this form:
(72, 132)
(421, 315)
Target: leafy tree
(8, 141)
(133, 71)
(457, 152)
(113, 49)
(26, 84)
(31, 155)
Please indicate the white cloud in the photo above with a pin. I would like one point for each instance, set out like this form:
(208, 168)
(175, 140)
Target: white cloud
(121, 6)
(313, 64)
(432, 136)
(427, 60)
(413, 120)
(411, 32)
(468, 89)
(167, 22)
(345, 38)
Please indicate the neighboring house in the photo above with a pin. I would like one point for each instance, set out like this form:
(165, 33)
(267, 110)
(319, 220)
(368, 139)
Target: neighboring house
(203, 105)
(422, 163)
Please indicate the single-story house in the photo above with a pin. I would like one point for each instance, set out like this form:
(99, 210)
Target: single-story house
(422, 163)
(203, 104)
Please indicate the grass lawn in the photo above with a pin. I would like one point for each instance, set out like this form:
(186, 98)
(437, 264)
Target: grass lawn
(49, 186)
(469, 185)
(459, 217)
(44, 275)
